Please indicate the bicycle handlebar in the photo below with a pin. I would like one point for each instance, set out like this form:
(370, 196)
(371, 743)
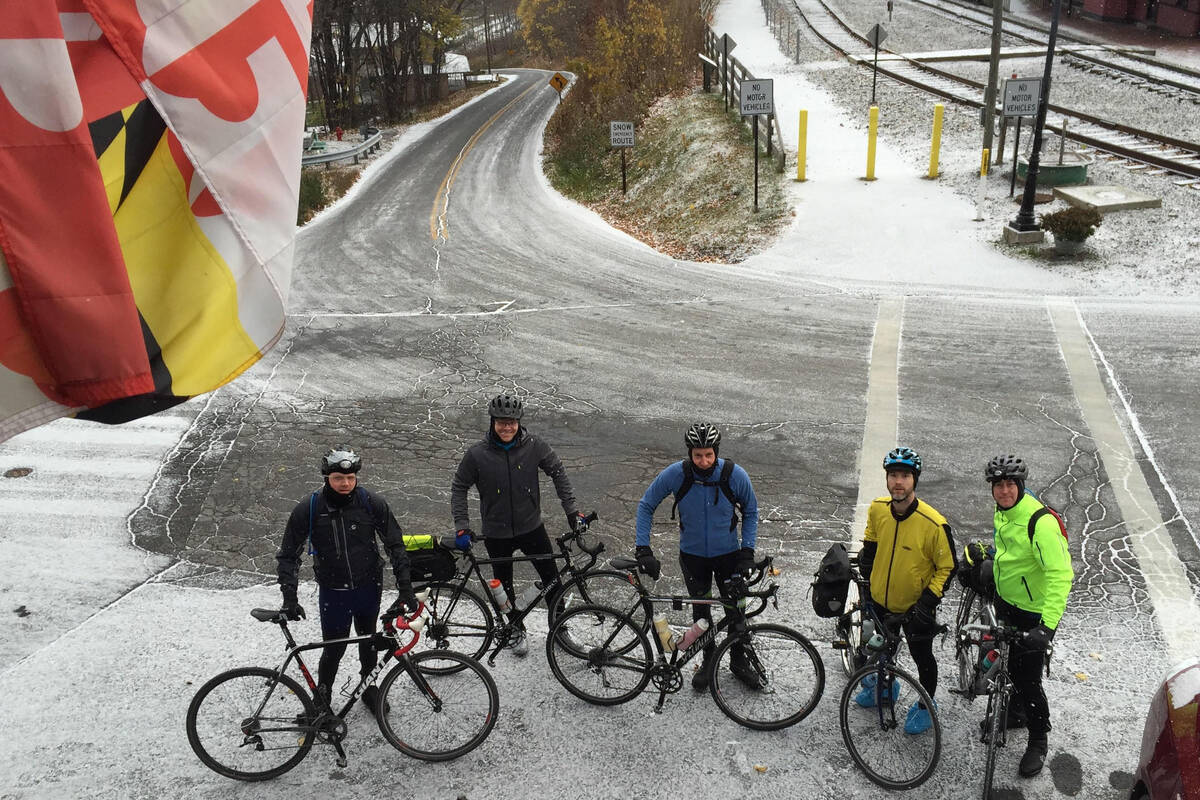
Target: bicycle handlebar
(576, 536)
(999, 631)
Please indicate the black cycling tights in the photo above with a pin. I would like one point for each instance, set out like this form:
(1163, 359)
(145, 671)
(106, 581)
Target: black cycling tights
(338, 608)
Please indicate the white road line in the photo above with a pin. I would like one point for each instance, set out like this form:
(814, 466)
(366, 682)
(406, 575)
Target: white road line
(1166, 581)
(883, 408)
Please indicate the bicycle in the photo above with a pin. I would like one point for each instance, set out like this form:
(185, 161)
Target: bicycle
(462, 619)
(998, 685)
(602, 655)
(256, 723)
(875, 736)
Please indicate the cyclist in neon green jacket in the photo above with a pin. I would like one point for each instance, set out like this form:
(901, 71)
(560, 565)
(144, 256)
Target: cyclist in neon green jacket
(1033, 578)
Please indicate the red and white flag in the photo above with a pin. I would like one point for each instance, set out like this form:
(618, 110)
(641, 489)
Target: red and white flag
(149, 172)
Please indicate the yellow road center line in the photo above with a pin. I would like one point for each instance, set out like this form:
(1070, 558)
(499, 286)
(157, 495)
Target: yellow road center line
(441, 200)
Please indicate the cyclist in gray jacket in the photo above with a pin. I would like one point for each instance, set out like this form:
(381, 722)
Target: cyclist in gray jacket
(503, 467)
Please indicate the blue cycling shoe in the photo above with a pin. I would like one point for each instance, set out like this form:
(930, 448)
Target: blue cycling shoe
(867, 696)
(919, 719)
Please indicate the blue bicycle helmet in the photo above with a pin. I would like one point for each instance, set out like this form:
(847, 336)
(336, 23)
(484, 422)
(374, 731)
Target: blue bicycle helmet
(903, 458)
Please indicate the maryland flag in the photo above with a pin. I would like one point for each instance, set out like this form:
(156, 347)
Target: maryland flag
(149, 172)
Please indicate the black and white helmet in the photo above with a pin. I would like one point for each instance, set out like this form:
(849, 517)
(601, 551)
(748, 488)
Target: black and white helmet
(702, 434)
(1005, 468)
(505, 406)
(340, 459)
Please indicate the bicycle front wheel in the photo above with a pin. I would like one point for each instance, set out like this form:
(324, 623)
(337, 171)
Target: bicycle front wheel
(874, 734)
(437, 705)
(994, 735)
(251, 724)
(966, 650)
(767, 678)
(459, 620)
(849, 630)
(599, 655)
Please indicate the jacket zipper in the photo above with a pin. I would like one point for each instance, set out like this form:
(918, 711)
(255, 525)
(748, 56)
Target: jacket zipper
(512, 506)
(345, 547)
(1026, 585)
(887, 587)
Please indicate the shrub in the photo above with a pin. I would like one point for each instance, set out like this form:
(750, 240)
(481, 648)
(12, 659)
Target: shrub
(312, 196)
(1072, 223)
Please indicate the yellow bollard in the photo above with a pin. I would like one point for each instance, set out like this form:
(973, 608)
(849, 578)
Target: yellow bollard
(802, 146)
(979, 197)
(983, 164)
(938, 110)
(872, 129)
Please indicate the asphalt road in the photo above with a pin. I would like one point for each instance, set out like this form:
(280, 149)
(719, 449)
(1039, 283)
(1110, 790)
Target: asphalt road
(409, 311)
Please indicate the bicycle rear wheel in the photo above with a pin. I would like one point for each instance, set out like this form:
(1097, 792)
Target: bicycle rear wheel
(602, 587)
(250, 724)
(437, 705)
(849, 629)
(994, 735)
(599, 655)
(769, 677)
(459, 620)
(875, 736)
(966, 650)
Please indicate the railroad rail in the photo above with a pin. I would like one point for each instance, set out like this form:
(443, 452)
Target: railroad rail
(1153, 150)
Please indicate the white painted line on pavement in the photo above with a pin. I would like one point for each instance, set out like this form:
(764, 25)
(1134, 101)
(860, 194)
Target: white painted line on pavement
(883, 408)
(1166, 580)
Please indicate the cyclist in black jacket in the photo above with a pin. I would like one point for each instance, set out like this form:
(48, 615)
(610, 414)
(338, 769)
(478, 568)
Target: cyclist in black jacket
(338, 525)
(504, 468)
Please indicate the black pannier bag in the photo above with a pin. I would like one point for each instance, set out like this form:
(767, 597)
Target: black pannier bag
(832, 583)
(428, 561)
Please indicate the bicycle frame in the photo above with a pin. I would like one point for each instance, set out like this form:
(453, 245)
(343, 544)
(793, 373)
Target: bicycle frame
(679, 658)
(515, 616)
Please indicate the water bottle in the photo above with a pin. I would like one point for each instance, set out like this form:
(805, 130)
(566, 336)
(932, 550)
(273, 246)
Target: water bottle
(987, 668)
(693, 633)
(501, 596)
(868, 630)
(529, 595)
(665, 634)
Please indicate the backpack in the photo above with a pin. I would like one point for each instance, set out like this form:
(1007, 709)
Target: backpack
(722, 484)
(832, 582)
(1043, 511)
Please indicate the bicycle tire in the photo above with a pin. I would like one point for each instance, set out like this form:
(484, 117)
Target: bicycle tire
(607, 588)
(789, 668)
(993, 738)
(224, 707)
(444, 712)
(594, 649)
(882, 750)
(966, 653)
(852, 657)
(460, 620)
(602, 587)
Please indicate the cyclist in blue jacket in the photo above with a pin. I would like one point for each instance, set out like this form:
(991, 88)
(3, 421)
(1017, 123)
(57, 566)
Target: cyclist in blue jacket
(709, 492)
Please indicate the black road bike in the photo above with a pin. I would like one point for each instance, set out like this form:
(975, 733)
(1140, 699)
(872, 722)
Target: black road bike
(606, 655)
(470, 620)
(875, 736)
(256, 723)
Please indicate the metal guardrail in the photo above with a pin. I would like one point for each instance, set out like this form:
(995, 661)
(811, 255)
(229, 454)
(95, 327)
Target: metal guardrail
(733, 74)
(369, 145)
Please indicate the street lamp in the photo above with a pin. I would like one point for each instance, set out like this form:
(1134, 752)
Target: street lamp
(1025, 220)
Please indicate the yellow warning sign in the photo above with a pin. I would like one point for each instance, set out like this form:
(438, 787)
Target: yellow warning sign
(558, 82)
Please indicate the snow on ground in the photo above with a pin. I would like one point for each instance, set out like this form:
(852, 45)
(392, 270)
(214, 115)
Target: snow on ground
(97, 676)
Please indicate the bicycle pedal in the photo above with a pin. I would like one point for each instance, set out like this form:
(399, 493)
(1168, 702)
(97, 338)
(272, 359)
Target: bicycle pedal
(341, 762)
(840, 644)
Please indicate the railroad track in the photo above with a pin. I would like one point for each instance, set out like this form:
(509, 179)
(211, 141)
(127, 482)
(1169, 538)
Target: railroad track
(1152, 74)
(1145, 150)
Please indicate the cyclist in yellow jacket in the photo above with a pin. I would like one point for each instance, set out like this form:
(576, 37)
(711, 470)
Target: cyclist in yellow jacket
(908, 556)
(1033, 576)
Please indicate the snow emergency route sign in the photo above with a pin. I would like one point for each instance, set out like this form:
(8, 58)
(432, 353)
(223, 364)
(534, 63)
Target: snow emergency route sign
(1021, 96)
(620, 134)
(558, 82)
(757, 96)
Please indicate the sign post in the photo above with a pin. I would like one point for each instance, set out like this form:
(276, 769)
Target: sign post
(875, 36)
(620, 135)
(727, 45)
(1021, 97)
(757, 97)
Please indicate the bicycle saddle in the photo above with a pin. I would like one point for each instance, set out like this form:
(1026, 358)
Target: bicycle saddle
(628, 563)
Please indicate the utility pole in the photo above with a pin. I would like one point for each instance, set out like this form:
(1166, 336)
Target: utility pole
(1025, 220)
(989, 92)
(487, 37)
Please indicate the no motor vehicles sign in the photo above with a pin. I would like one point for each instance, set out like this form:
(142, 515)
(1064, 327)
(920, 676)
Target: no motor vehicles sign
(757, 96)
(1021, 97)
